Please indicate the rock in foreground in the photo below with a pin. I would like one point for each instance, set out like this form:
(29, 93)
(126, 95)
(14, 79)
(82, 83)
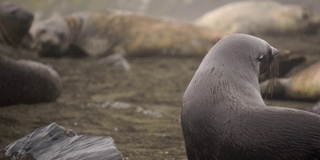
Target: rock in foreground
(55, 142)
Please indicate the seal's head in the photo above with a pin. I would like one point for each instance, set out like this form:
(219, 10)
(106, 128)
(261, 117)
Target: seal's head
(237, 61)
(242, 50)
(15, 23)
(51, 37)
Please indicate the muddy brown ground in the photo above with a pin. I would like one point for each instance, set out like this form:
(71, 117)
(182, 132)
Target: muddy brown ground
(154, 83)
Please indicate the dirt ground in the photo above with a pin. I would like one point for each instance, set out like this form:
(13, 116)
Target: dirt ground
(150, 127)
(154, 85)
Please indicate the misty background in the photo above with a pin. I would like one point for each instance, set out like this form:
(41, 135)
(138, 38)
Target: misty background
(187, 10)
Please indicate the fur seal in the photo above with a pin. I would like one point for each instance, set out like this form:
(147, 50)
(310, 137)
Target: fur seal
(25, 81)
(15, 24)
(303, 85)
(106, 32)
(254, 17)
(224, 116)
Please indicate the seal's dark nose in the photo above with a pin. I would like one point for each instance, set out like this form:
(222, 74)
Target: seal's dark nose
(49, 44)
(28, 17)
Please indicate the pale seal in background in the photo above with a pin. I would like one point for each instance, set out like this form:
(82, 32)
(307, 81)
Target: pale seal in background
(224, 116)
(254, 17)
(304, 85)
(131, 34)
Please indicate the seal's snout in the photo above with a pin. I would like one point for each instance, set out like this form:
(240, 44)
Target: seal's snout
(48, 45)
(27, 17)
(48, 42)
(274, 52)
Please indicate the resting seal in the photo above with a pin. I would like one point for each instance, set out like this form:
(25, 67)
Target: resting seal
(107, 32)
(224, 116)
(255, 17)
(15, 24)
(304, 85)
(27, 82)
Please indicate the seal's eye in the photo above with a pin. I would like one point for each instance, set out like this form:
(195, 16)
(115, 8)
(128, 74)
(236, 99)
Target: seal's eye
(13, 12)
(305, 16)
(61, 36)
(260, 58)
(41, 31)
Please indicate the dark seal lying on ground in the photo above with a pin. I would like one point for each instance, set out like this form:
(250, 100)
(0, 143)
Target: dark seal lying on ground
(304, 85)
(108, 32)
(15, 22)
(225, 117)
(22, 81)
(25, 81)
(54, 142)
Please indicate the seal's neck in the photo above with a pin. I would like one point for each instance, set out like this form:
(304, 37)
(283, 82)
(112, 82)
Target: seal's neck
(75, 24)
(10, 35)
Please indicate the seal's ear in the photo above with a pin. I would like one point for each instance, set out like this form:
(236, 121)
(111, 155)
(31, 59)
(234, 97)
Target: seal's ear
(274, 52)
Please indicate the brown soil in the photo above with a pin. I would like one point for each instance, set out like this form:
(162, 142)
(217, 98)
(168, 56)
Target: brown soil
(154, 83)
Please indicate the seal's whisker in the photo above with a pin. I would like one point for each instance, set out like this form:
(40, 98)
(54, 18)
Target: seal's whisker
(266, 91)
(273, 83)
(274, 75)
(276, 63)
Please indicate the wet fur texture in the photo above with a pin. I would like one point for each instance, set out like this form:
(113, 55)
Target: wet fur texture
(224, 116)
